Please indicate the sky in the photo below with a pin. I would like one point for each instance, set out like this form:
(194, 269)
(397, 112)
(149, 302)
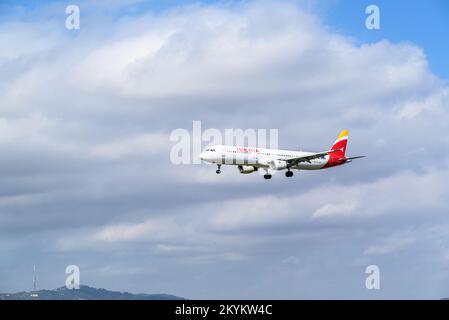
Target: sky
(85, 123)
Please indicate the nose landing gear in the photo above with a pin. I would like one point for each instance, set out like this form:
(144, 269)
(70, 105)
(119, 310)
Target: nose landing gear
(218, 169)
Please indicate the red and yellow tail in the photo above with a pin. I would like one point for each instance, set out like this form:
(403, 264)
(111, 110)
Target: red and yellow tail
(340, 144)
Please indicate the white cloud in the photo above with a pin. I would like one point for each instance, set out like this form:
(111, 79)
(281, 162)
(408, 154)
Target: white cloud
(75, 98)
(233, 256)
(152, 229)
(389, 247)
(116, 90)
(341, 208)
(414, 108)
(363, 200)
(117, 271)
(251, 213)
(292, 260)
(128, 147)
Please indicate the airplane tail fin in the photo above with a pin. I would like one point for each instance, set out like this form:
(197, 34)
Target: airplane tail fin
(340, 144)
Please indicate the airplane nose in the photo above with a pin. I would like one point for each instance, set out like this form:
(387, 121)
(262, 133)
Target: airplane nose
(202, 155)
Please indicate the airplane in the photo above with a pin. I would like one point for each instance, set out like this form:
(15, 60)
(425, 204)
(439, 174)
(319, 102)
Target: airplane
(249, 160)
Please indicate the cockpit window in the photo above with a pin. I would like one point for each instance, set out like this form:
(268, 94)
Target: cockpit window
(212, 150)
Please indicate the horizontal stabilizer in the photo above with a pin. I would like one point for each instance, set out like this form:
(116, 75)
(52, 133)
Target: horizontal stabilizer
(347, 160)
(353, 158)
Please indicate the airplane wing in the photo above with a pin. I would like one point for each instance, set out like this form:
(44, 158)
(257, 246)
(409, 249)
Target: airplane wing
(295, 161)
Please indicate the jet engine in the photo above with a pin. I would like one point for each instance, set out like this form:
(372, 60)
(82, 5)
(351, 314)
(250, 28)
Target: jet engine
(278, 165)
(247, 169)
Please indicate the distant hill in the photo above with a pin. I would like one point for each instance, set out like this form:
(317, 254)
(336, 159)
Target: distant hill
(84, 293)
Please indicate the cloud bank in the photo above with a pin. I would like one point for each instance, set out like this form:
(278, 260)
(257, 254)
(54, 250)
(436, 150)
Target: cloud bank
(86, 177)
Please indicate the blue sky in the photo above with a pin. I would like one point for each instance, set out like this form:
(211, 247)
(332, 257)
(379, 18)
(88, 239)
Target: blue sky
(423, 22)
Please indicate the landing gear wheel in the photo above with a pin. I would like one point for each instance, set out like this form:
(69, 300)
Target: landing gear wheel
(289, 174)
(267, 176)
(218, 169)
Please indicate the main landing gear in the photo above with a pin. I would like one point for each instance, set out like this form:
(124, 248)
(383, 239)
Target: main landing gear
(267, 175)
(218, 169)
(289, 174)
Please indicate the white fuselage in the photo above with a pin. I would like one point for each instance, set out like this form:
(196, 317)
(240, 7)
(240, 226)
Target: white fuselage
(258, 157)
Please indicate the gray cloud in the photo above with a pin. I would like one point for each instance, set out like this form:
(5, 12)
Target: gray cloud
(86, 176)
